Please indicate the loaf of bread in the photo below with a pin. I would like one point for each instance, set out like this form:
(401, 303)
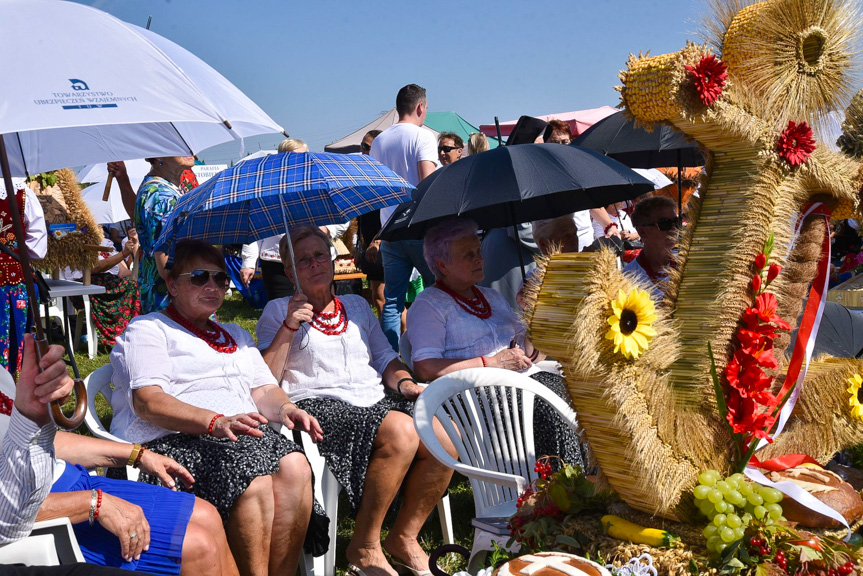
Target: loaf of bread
(827, 487)
(551, 564)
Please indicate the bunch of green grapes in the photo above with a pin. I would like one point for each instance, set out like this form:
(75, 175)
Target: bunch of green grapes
(731, 504)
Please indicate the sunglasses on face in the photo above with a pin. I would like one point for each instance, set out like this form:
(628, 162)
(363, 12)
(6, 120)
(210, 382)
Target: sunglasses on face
(306, 262)
(667, 224)
(447, 149)
(201, 277)
(365, 146)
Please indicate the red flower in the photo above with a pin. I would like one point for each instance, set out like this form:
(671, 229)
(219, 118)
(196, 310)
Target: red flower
(773, 272)
(745, 419)
(758, 346)
(760, 262)
(709, 77)
(796, 143)
(764, 311)
(756, 283)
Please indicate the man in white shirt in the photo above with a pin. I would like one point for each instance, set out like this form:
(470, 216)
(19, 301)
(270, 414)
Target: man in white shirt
(27, 462)
(411, 152)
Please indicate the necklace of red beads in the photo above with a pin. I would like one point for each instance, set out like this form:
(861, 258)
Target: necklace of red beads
(478, 305)
(331, 323)
(216, 337)
(5, 405)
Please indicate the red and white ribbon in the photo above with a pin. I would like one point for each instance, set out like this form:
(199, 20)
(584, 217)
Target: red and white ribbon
(804, 346)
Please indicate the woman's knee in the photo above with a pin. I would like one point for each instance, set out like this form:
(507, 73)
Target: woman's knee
(199, 543)
(397, 435)
(444, 439)
(294, 470)
(205, 514)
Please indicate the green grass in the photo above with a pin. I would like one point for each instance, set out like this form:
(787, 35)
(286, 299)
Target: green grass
(235, 309)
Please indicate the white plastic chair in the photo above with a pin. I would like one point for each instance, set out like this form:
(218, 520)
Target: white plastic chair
(51, 543)
(493, 437)
(327, 490)
(99, 382)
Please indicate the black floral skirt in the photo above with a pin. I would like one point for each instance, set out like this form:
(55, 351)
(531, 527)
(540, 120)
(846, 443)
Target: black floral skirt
(224, 469)
(349, 436)
(552, 434)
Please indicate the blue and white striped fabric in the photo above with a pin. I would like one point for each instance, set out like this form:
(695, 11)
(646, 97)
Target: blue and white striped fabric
(243, 203)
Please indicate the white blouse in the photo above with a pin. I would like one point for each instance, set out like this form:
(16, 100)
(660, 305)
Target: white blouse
(437, 327)
(156, 351)
(347, 366)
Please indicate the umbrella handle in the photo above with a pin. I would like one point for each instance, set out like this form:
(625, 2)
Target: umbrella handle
(107, 191)
(55, 410)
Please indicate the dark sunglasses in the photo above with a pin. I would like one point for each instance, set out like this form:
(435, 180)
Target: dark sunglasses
(448, 149)
(667, 224)
(201, 277)
(365, 146)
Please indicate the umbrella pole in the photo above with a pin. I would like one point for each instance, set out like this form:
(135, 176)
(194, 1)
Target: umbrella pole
(517, 243)
(290, 244)
(497, 127)
(679, 184)
(55, 412)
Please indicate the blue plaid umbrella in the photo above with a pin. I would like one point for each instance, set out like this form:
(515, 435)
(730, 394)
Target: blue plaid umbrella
(262, 197)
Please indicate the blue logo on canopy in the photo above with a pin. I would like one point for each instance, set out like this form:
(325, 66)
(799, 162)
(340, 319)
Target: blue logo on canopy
(78, 84)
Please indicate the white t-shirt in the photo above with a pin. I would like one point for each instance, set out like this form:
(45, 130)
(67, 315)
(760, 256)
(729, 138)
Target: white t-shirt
(156, 351)
(583, 228)
(347, 366)
(623, 221)
(401, 147)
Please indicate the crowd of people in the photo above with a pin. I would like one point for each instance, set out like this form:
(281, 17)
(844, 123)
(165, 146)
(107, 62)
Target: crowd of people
(198, 402)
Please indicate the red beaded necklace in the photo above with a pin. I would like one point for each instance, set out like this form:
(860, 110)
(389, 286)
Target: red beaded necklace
(478, 305)
(5, 405)
(331, 323)
(216, 337)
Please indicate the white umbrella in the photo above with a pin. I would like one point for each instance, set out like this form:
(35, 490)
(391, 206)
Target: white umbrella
(659, 179)
(99, 89)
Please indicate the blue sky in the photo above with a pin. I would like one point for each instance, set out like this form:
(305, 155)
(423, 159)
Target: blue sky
(323, 69)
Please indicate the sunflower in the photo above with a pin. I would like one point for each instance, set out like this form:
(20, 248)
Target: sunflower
(630, 320)
(855, 396)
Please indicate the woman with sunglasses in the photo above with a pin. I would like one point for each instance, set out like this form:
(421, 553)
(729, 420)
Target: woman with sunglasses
(657, 224)
(199, 392)
(333, 358)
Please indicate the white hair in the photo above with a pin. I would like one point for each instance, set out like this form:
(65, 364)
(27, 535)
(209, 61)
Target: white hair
(552, 228)
(437, 243)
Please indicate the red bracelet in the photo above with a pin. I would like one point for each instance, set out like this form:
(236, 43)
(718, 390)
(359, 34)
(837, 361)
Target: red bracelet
(98, 503)
(484, 365)
(213, 423)
(607, 228)
(285, 324)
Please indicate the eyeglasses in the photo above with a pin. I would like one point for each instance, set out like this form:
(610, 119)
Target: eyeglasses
(201, 277)
(448, 149)
(364, 146)
(667, 224)
(564, 141)
(306, 262)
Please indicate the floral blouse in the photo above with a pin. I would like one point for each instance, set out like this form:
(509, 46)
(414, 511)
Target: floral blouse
(156, 200)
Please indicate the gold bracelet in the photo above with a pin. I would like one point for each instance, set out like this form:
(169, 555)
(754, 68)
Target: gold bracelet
(135, 449)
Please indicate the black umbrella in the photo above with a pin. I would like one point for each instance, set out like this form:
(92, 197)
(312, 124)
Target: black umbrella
(514, 184)
(840, 333)
(619, 138)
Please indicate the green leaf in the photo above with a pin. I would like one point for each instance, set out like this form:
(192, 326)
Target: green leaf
(768, 246)
(761, 570)
(567, 541)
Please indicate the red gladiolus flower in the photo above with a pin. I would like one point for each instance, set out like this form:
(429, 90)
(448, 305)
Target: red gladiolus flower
(756, 283)
(709, 77)
(765, 311)
(760, 262)
(745, 419)
(773, 272)
(796, 143)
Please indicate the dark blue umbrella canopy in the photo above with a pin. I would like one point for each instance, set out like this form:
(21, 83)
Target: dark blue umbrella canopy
(515, 184)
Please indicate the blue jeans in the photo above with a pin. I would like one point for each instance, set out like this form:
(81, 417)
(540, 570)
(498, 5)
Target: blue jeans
(400, 258)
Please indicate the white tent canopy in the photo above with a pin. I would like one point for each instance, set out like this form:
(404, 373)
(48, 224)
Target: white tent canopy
(351, 142)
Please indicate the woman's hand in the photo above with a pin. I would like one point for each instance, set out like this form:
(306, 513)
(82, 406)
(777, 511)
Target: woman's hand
(165, 469)
(372, 251)
(299, 311)
(294, 418)
(411, 390)
(629, 236)
(125, 520)
(230, 426)
(510, 359)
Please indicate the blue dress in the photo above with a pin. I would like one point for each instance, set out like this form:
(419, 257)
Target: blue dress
(167, 512)
(155, 202)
